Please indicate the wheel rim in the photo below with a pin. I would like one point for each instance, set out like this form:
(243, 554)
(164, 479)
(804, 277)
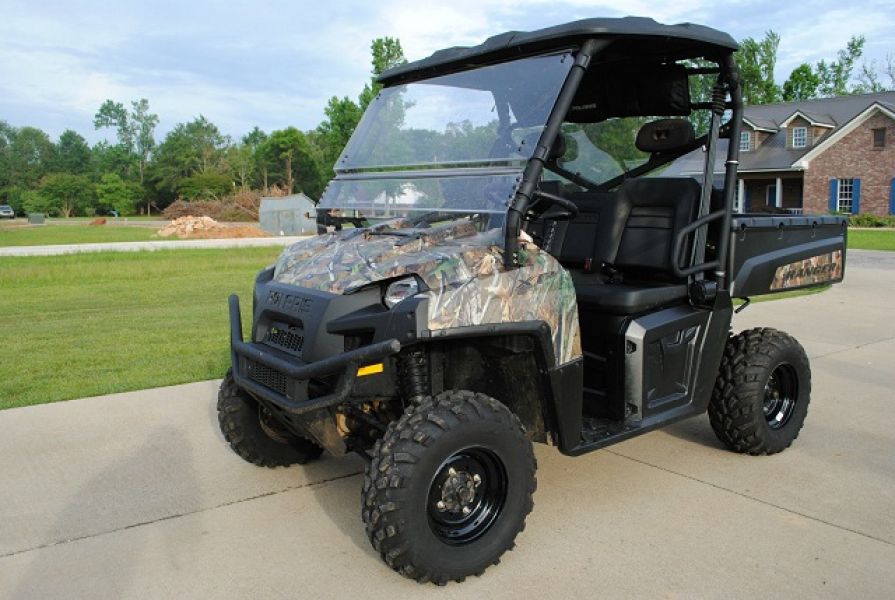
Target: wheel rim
(467, 495)
(780, 395)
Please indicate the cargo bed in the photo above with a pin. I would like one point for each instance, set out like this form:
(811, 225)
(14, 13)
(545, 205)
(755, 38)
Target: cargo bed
(771, 254)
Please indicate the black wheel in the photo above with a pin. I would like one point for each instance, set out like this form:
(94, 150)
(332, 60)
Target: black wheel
(762, 392)
(254, 434)
(449, 487)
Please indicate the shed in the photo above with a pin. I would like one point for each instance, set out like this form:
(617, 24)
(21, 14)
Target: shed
(288, 215)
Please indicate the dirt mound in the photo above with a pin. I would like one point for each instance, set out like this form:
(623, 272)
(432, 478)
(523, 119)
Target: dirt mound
(207, 228)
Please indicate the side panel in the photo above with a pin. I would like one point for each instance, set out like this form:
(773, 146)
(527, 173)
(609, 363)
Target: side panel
(776, 254)
(661, 352)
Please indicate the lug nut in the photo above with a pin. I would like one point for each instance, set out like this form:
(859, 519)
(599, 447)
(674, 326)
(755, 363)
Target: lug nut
(452, 472)
(466, 510)
(440, 505)
(477, 479)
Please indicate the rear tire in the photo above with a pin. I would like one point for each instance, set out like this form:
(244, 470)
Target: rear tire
(761, 396)
(260, 443)
(449, 487)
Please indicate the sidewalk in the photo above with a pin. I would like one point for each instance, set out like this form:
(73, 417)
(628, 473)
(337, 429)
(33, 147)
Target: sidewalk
(137, 495)
(152, 245)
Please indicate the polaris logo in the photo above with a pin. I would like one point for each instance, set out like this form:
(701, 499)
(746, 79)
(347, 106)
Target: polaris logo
(289, 302)
(809, 271)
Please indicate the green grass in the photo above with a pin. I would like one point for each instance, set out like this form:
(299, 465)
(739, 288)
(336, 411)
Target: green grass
(871, 239)
(41, 235)
(89, 324)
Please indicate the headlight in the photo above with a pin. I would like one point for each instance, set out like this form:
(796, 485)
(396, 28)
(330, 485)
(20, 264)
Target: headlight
(400, 290)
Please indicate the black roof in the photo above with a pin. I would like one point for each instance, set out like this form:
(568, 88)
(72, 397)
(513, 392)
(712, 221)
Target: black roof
(681, 40)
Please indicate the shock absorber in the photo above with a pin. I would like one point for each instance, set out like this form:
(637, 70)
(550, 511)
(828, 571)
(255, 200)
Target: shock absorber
(414, 371)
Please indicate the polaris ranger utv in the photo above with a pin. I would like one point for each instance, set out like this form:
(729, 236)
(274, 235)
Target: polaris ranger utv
(523, 261)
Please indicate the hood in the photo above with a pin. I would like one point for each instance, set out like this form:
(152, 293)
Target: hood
(347, 260)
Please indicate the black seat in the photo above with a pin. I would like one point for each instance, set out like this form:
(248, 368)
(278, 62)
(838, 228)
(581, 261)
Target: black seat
(638, 234)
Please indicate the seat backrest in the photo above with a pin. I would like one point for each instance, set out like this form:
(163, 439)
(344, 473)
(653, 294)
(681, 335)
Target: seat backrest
(575, 241)
(651, 211)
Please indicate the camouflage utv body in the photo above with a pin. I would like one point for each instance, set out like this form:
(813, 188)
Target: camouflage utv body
(463, 272)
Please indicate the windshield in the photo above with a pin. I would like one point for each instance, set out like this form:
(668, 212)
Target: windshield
(381, 198)
(485, 115)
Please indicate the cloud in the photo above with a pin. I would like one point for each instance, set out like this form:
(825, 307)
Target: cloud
(275, 64)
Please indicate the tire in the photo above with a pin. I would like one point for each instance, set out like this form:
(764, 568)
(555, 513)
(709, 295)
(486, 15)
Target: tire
(239, 416)
(415, 502)
(761, 396)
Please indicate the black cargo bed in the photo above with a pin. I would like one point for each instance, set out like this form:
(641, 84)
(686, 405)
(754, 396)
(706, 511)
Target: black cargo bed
(771, 254)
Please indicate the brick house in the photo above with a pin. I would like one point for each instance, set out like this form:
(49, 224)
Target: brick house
(816, 156)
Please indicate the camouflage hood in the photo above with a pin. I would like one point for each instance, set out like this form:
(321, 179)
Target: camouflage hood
(462, 268)
(344, 261)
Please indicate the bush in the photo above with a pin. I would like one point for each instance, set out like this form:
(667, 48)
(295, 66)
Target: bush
(871, 221)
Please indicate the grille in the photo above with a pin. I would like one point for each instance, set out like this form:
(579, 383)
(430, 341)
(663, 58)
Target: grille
(286, 337)
(269, 378)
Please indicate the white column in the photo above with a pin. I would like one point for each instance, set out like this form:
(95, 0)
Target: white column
(741, 196)
(778, 201)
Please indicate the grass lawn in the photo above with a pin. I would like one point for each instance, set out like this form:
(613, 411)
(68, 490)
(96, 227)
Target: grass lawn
(89, 324)
(871, 239)
(41, 235)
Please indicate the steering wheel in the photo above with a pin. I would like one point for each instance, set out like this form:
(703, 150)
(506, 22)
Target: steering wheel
(569, 209)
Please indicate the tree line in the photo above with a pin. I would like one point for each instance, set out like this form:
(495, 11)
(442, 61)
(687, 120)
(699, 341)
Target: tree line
(194, 161)
(842, 76)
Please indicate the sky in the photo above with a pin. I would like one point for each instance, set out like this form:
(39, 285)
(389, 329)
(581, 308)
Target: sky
(274, 64)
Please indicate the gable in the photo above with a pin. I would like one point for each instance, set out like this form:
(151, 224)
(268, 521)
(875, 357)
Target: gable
(843, 131)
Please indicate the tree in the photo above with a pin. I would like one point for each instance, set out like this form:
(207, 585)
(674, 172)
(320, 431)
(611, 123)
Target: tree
(802, 84)
(205, 186)
(343, 114)
(835, 75)
(870, 81)
(135, 129)
(254, 140)
(67, 193)
(33, 201)
(386, 53)
(757, 60)
(143, 123)
(30, 157)
(291, 147)
(119, 194)
(72, 154)
(113, 114)
(188, 149)
(7, 134)
(241, 163)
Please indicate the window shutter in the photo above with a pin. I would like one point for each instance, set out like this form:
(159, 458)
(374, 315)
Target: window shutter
(856, 196)
(834, 189)
(892, 199)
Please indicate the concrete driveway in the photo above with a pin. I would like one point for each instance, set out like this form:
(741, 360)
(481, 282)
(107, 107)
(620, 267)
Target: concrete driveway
(137, 495)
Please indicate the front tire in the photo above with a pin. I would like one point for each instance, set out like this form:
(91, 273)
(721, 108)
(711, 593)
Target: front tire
(449, 487)
(254, 435)
(761, 396)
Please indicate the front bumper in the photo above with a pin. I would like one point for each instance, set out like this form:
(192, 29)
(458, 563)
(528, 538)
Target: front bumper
(288, 379)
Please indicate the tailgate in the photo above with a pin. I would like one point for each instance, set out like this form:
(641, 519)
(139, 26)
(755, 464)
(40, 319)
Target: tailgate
(770, 254)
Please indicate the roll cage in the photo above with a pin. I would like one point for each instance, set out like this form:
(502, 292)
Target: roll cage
(630, 52)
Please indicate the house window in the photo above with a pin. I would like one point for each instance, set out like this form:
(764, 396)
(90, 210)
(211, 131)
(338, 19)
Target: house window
(879, 138)
(844, 198)
(745, 141)
(799, 137)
